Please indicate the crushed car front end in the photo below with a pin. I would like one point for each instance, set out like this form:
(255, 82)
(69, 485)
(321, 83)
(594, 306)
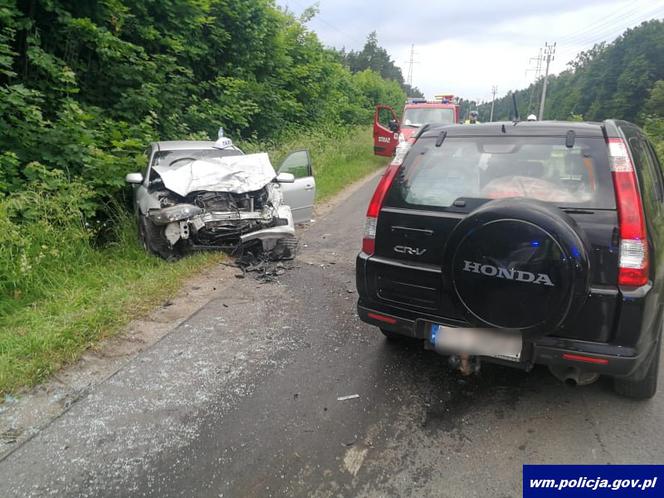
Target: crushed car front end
(196, 196)
(224, 220)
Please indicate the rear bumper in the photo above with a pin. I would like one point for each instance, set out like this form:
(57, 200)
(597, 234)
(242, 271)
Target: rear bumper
(605, 359)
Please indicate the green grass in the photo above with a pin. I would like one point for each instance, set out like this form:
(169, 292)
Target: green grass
(84, 294)
(339, 162)
(85, 304)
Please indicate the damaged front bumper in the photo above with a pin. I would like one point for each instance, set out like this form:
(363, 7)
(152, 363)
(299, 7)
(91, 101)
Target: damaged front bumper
(205, 229)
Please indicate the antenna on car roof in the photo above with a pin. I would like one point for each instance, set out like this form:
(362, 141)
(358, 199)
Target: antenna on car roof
(516, 109)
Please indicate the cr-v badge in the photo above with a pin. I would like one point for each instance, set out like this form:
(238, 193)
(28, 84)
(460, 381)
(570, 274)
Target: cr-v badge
(498, 272)
(412, 251)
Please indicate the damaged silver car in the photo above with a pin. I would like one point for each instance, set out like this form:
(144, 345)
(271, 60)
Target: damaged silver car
(199, 195)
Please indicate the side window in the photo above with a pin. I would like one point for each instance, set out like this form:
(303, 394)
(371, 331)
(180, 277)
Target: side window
(384, 117)
(297, 163)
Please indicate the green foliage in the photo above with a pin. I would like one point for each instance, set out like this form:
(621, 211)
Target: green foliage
(84, 86)
(654, 127)
(621, 80)
(375, 58)
(374, 90)
(654, 106)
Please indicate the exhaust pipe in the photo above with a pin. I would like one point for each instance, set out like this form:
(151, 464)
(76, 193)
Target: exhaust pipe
(573, 376)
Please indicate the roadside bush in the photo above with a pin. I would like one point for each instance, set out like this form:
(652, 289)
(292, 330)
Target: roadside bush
(42, 231)
(84, 87)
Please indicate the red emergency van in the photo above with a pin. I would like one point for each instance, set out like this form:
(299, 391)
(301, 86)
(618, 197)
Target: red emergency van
(388, 132)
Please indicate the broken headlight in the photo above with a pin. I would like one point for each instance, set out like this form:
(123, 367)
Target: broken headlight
(173, 213)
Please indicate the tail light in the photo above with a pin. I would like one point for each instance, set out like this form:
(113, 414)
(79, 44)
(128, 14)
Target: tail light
(369, 240)
(634, 260)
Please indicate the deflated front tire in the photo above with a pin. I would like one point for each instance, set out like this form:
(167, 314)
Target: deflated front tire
(154, 241)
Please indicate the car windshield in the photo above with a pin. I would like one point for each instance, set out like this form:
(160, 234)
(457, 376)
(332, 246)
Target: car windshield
(540, 168)
(417, 116)
(168, 158)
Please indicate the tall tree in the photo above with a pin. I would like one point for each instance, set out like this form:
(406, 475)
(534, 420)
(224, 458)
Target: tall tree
(376, 58)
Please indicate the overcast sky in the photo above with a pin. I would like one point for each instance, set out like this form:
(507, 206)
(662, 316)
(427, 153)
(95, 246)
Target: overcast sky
(465, 47)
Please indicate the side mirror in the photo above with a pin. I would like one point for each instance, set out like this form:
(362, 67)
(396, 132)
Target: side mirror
(394, 125)
(285, 178)
(134, 178)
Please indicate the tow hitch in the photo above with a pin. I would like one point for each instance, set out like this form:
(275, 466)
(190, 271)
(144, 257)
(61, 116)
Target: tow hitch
(465, 364)
(465, 346)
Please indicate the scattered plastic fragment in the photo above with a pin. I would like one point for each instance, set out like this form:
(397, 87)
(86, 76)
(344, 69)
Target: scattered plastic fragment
(350, 396)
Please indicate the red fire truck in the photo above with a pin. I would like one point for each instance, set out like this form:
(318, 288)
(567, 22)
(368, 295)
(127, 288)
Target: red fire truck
(388, 132)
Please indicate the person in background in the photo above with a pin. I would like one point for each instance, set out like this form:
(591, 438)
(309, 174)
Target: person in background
(472, 117)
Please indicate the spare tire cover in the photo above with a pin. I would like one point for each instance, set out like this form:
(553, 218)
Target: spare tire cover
(517, 264)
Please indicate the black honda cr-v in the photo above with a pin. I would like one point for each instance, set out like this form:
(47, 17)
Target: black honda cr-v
(523, 243)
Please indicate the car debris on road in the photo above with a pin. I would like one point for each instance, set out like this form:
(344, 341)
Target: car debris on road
(265, 266)
(350, 396)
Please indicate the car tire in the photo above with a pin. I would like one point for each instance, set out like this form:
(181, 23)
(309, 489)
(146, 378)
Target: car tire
(643, 387)
(153, 240)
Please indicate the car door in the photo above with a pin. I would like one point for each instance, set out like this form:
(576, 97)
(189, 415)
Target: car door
(300, 194)
(141, 191)
(385, 139)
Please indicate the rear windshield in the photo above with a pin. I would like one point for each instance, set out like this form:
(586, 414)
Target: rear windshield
(540, 168)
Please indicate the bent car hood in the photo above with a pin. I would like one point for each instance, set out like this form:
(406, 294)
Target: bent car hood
(235, 174)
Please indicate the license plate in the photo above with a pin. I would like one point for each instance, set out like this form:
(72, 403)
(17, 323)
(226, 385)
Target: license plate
(496, 343)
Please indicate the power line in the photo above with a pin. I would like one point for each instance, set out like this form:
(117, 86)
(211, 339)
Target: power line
(319, 18)
(494, 90)
(616, 14)
(538, 71)
(550, 54)
(604, 36)
(538, 64)
(410, 63)
(624, 23)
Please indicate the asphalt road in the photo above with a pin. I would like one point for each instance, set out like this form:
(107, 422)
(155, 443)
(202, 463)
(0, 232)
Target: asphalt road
(241, 400)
